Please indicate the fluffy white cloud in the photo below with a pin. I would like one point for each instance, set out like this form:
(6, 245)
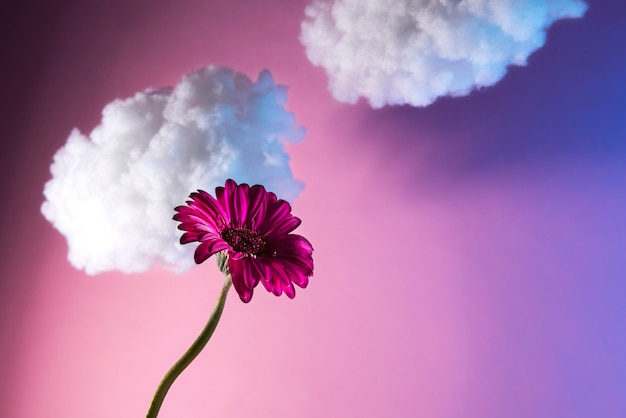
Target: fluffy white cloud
(413, 51)
(113, 193)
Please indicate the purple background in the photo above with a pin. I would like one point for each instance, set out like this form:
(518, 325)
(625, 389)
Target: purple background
(469, 255)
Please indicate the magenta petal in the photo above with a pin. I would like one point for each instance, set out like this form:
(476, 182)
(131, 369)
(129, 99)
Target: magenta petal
(181, 213)
(199, 215)
(276, 214)
(254, 270)
(277, 288)
(300, 279)
(294, 243)
(248, 275)
(289, 290)
(225, 197)
(240, 205)
(296, 273)
(197, 226)
(207, 208)
(270, 286)
(219, 193)
(237, 273)
(283, 227)
(207, 248)
(281, 280)
(279, 274)
(297, 250)
(207, 203)
(191, 237)
(261, 267)
(256, 206)
(302, 267)
(234, 255)
(187, 225)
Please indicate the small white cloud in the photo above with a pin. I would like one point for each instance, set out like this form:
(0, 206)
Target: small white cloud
(395, 52)
(113, 193)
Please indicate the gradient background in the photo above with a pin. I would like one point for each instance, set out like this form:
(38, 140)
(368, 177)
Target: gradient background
(469, 256)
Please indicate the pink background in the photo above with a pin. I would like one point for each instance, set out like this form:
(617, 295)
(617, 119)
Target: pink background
(469, 256)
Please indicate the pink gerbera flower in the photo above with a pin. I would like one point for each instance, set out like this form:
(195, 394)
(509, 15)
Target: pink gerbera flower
(253, 228)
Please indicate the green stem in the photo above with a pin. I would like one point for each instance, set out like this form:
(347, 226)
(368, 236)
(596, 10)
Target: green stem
(191, 353)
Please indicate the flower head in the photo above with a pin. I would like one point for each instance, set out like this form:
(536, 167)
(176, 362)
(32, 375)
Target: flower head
(253, 228)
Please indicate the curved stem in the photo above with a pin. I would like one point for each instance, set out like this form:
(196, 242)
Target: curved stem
(191, 353)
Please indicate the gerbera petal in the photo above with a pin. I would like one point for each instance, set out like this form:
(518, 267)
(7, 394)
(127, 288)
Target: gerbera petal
(277, 213)
(207, 207)
(283, 227)
(270, 286)
(296, 273)
(302, 266)
(225, 197)
(207, 203)
(257, 202)
(195, 225)
(299, 278)
(272, 280)
(294, 242)
(279, 274)
(238, 274)
(203, 209)
(191, 236)
(235, 255)
(206, 236)
(240, 204)
(297, 250)
(280, 280)
(258, 269)
(289, 290)
(209, 247)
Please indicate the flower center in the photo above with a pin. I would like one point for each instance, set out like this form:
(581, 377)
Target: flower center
(244, 241)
